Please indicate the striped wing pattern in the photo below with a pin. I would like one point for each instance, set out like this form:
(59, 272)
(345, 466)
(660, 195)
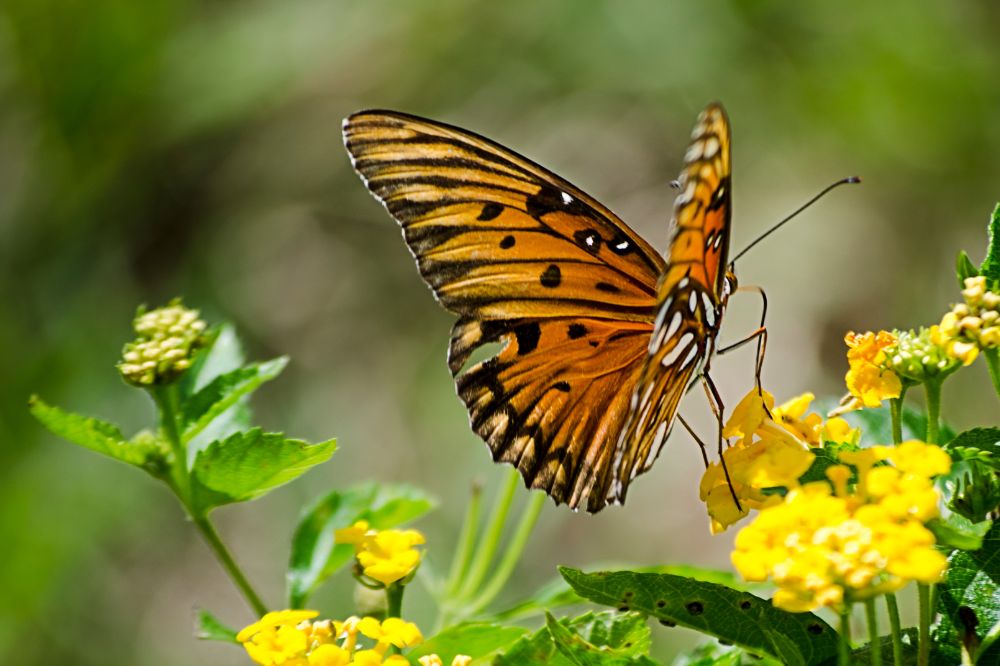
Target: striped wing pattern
(691, 296)
(529, 261)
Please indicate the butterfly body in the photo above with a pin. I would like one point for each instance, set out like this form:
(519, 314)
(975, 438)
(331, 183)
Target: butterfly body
(600, 335)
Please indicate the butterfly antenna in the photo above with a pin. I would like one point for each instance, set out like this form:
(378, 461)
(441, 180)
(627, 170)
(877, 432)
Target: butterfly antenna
(843, 181)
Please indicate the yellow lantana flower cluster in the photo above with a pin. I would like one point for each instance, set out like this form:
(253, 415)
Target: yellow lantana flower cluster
(973, 325)
(291, 638)
(167, 339)
(772, 450)
(826, 544)
(385, 556)
(869, 379)
(921, 356)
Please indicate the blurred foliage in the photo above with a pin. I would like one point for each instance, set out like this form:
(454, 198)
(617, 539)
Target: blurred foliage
(165, 147)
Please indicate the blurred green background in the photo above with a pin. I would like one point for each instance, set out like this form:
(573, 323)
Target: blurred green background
(167, 147)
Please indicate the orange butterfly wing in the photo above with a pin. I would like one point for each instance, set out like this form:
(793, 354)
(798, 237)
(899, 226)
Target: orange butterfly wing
(532, 262)
(691, 296)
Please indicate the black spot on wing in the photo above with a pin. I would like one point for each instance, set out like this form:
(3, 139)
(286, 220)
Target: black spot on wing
(576, 330)
(549, 200)
(621, 246)
(561, 386)
(490, 211)
(588, 239)
(527, 336)
(552, 277)
(607, 288)
(507, 242)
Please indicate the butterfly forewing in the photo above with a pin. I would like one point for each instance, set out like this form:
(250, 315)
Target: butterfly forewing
(567, 288)
(690, 296)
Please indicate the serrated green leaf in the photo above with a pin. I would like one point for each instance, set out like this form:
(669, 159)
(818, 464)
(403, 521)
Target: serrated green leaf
(209, 628)
(958, 531)
(982, 440)
(224, 391)
(247, 465)
(964, 268)
(972, 582)
(713, 654)
(621, 636)
(94, 434)
(479, 640)
(607, 639)
(991, 264)
(557, 593)
(315, 556)
(222, 353)
(735, 617)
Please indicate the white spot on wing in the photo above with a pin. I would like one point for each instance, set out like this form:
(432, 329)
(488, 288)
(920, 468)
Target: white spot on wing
(682, 345)
(711, 146)
(694, 152)
(567, 199)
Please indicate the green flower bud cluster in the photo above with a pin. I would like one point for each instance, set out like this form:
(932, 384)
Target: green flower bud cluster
(919, 356)
(168, 338)
(977, 320)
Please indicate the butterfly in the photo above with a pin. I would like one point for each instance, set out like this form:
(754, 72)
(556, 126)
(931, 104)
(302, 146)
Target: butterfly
(601, 336)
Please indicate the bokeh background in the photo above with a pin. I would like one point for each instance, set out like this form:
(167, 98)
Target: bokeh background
(173, 147)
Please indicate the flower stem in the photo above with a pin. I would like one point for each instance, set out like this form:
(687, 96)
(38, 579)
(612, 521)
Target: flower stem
(207, 530)
(932, 388)
(513, 554)
(168, 402)
(394, 600)
(491, 538)
(844, 640)
(874, 640)
(924, 627)
(895, 629)
(896, 412)
(991, 636)
(466, 542)
(992, 356)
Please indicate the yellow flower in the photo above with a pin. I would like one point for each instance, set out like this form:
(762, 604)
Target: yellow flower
(278, 638)
(329, 655)
(354, 535)
(793, 417)
(973, 325)
(839, 430)
(367, 658)
(767, 455)
(434, 660)
(868, 380)
(824, 545)
(393, 631)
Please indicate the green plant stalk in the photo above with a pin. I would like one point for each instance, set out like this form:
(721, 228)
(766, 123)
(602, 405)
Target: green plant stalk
(991, 636)
(895, 629)
(932, 388)
(207, 530)
(168, 400)
(924, 625)
(874, 640)
(513, 553)
(394, 599)
(466, 542)
(992, 357)
(896, 412)
(844, 638)
(491, 538)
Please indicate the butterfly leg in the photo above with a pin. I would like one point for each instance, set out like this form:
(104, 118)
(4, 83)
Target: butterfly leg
(694, 435)
(760, 335)
(718, 408)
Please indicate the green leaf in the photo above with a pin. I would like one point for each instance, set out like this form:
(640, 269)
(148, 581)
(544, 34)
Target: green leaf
(315, 556)
(97, 435)
(209, 628)
(991, 264)
(958, 531)
(972, 486)
(247, 465)
(222, 353)
(733, 616)
(713, 654)
(826, 457)
(608, 639)
(967, 599)
(557, 593)
(964, 268)
(982, 443)
(590, 639)
(478, 640)
(224, 391)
